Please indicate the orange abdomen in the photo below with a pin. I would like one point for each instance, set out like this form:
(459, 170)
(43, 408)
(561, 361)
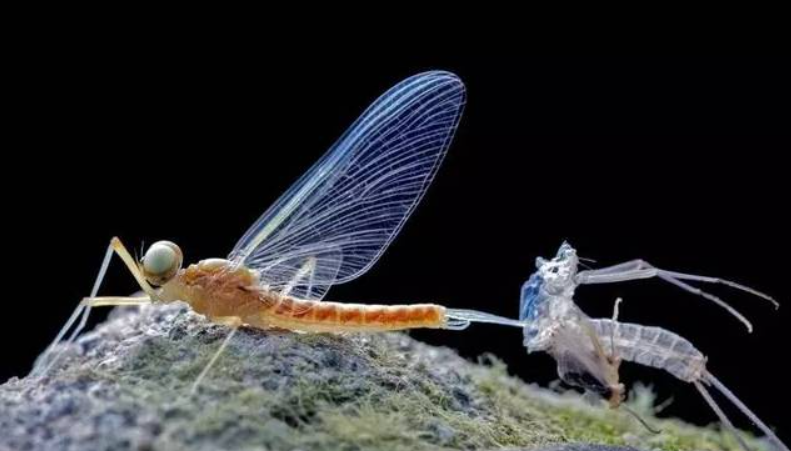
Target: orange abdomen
(314, 316)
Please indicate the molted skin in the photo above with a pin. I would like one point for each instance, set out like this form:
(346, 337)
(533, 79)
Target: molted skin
(221, 291)
(589, 351)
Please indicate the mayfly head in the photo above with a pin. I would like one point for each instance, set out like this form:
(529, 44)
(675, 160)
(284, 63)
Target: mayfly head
(559, 273)
(161, 262)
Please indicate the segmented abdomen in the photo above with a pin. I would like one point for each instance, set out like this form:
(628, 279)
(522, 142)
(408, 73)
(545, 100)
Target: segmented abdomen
(652, 346)
(316, 316)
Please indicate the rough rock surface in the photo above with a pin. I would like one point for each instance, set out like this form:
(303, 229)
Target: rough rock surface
(125, 386)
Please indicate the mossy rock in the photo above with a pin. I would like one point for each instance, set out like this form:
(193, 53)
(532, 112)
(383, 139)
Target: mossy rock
(126, 386)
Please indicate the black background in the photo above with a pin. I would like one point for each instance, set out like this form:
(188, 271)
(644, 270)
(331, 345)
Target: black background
(680, 161)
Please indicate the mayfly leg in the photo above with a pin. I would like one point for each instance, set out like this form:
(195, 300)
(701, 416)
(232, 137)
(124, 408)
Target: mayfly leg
(710, 379)
(115, 301)
(307, 270)
(234, 323)
(640, 269)
(39, 366)
(83, 310)
(616, 312)
(719, 412)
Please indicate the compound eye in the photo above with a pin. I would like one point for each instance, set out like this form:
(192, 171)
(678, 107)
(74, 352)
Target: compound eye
(161, 262)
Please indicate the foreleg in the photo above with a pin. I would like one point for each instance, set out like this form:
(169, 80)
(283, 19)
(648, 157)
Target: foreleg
(640, 269)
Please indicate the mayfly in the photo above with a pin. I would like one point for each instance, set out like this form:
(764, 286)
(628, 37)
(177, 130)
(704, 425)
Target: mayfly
(589, 351)
(328, 229)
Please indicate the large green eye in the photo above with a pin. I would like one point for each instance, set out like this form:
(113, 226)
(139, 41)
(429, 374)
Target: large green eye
(161, 262)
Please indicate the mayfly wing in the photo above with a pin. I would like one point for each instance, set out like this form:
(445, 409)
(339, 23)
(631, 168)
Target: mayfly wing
(581, 356)
(336, 221)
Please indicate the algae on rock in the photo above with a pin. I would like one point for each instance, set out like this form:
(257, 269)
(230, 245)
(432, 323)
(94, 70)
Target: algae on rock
(126, 386)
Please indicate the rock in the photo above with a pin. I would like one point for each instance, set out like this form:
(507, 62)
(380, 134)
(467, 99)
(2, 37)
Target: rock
(125, 386)
(585, 447)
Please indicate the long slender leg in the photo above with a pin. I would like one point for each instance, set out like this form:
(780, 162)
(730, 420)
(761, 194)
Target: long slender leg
(640, 419)
(307, 270)
(91, 302)
(131, 264)
(616, 309)
(117, 246)
(83, 310)
(640, 269)
(616, 359)
(724, 418)
(234, 323)
(80, 310)
(106, 301)
(745, 410)
(620, 267)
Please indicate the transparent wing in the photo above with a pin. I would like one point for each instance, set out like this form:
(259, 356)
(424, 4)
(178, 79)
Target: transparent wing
(344, 212)
(579, 355)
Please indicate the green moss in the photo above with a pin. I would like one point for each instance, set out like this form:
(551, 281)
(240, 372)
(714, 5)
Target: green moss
(575, 421)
